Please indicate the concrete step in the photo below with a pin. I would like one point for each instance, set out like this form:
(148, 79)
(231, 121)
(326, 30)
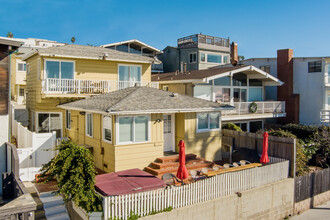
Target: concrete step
(156, 165)
(46, 194)
(59, 216)
(175, 158)
(54, 210)
(51, 201)
(173, 169)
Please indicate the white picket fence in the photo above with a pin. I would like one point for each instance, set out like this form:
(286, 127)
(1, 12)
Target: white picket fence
(33, 150)
(120, 207)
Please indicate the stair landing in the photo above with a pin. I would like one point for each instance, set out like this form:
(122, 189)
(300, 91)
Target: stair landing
(170, 164)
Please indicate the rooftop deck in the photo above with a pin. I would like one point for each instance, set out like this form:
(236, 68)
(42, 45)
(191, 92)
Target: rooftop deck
(198, 39)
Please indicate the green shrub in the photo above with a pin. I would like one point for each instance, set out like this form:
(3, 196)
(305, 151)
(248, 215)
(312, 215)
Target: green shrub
(231, 126)
(303, 132)
(74, 170)
(301, 159)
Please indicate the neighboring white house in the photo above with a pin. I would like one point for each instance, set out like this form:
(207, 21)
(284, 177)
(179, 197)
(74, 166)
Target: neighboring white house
(309, 80)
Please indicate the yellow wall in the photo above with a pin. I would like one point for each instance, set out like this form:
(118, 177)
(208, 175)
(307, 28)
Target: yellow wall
(17, 77)
(181, 88)
(84, 69)
(205, 144)
(122, 157)
(117, 157)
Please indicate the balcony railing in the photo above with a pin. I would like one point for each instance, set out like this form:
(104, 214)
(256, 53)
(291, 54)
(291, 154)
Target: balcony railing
(203, 39)
(325, 117)
(242, 108)
(82, 86)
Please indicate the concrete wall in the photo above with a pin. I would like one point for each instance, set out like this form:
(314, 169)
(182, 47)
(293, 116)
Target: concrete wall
(272, 201)
(311, 202)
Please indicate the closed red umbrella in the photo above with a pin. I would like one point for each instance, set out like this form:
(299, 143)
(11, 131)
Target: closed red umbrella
(264, 157)
(182, 171)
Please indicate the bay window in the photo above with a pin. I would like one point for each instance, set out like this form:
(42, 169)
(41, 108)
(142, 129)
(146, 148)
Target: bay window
(107, 129)
(133, 129)
(208, 121)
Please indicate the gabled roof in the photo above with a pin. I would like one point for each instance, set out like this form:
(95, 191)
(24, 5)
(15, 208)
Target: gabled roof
(88, 52)
(202, 76)
(136, 42)
(137, 100)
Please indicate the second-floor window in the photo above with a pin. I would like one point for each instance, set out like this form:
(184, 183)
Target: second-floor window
(315, 66)
(214, 58)
(129, 73)
(59, 69)
(21, 66)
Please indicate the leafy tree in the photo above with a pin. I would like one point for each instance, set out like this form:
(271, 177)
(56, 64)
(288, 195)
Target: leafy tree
(73, 40)
(10, 34)
(75, 172)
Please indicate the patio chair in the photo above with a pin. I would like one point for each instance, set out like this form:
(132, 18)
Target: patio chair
(227, 165)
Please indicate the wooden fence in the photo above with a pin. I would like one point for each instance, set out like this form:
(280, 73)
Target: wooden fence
(312, 184)
(120, 207)
(277, 146)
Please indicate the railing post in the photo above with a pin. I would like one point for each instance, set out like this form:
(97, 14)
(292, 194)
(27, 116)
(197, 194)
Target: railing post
(78, 86)
(46, 85)
(263, 107)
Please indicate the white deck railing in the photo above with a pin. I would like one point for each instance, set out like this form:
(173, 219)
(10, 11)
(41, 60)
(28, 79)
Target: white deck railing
(82, 86)
(262, 107)
(120, 207)
(325, 116)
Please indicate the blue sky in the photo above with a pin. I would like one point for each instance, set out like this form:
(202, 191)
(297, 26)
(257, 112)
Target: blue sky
(260, 27)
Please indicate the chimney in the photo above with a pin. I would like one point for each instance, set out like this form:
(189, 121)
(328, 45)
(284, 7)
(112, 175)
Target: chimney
(285, 92)
(233, 54)
(185, 67)
(181, 67)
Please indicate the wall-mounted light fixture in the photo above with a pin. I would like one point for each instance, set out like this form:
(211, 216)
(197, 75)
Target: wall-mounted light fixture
(158, 120)
(82, 113)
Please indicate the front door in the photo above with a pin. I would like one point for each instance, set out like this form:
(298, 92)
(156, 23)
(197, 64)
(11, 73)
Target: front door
(169, 121)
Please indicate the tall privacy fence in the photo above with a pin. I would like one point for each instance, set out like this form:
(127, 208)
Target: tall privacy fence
(312, 184)
(34, 150)
(121, 207)
(277, 146)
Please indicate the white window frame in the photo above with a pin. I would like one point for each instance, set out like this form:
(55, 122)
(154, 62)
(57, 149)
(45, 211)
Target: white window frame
(208, 118)
(103, 129)
(68, 119)
(133, 134)
(21, 62)
(59, 60)
(86, 124)
(37, 120)
(195, 57)
(129, 65)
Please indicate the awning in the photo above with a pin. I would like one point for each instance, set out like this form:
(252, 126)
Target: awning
(126, 182)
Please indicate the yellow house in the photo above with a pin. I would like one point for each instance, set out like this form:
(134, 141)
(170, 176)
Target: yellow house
(131, 127)
(243, 87)
(18, 76)
(62, 74)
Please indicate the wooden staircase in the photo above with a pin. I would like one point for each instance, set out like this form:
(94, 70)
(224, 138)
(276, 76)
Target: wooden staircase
(170, 164)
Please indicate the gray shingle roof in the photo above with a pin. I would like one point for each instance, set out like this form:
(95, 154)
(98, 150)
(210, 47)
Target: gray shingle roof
(88, 52)
(144, 99)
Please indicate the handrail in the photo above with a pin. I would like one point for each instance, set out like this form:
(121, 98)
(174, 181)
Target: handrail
(82, 86)
(262, 107)
(204, 39)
